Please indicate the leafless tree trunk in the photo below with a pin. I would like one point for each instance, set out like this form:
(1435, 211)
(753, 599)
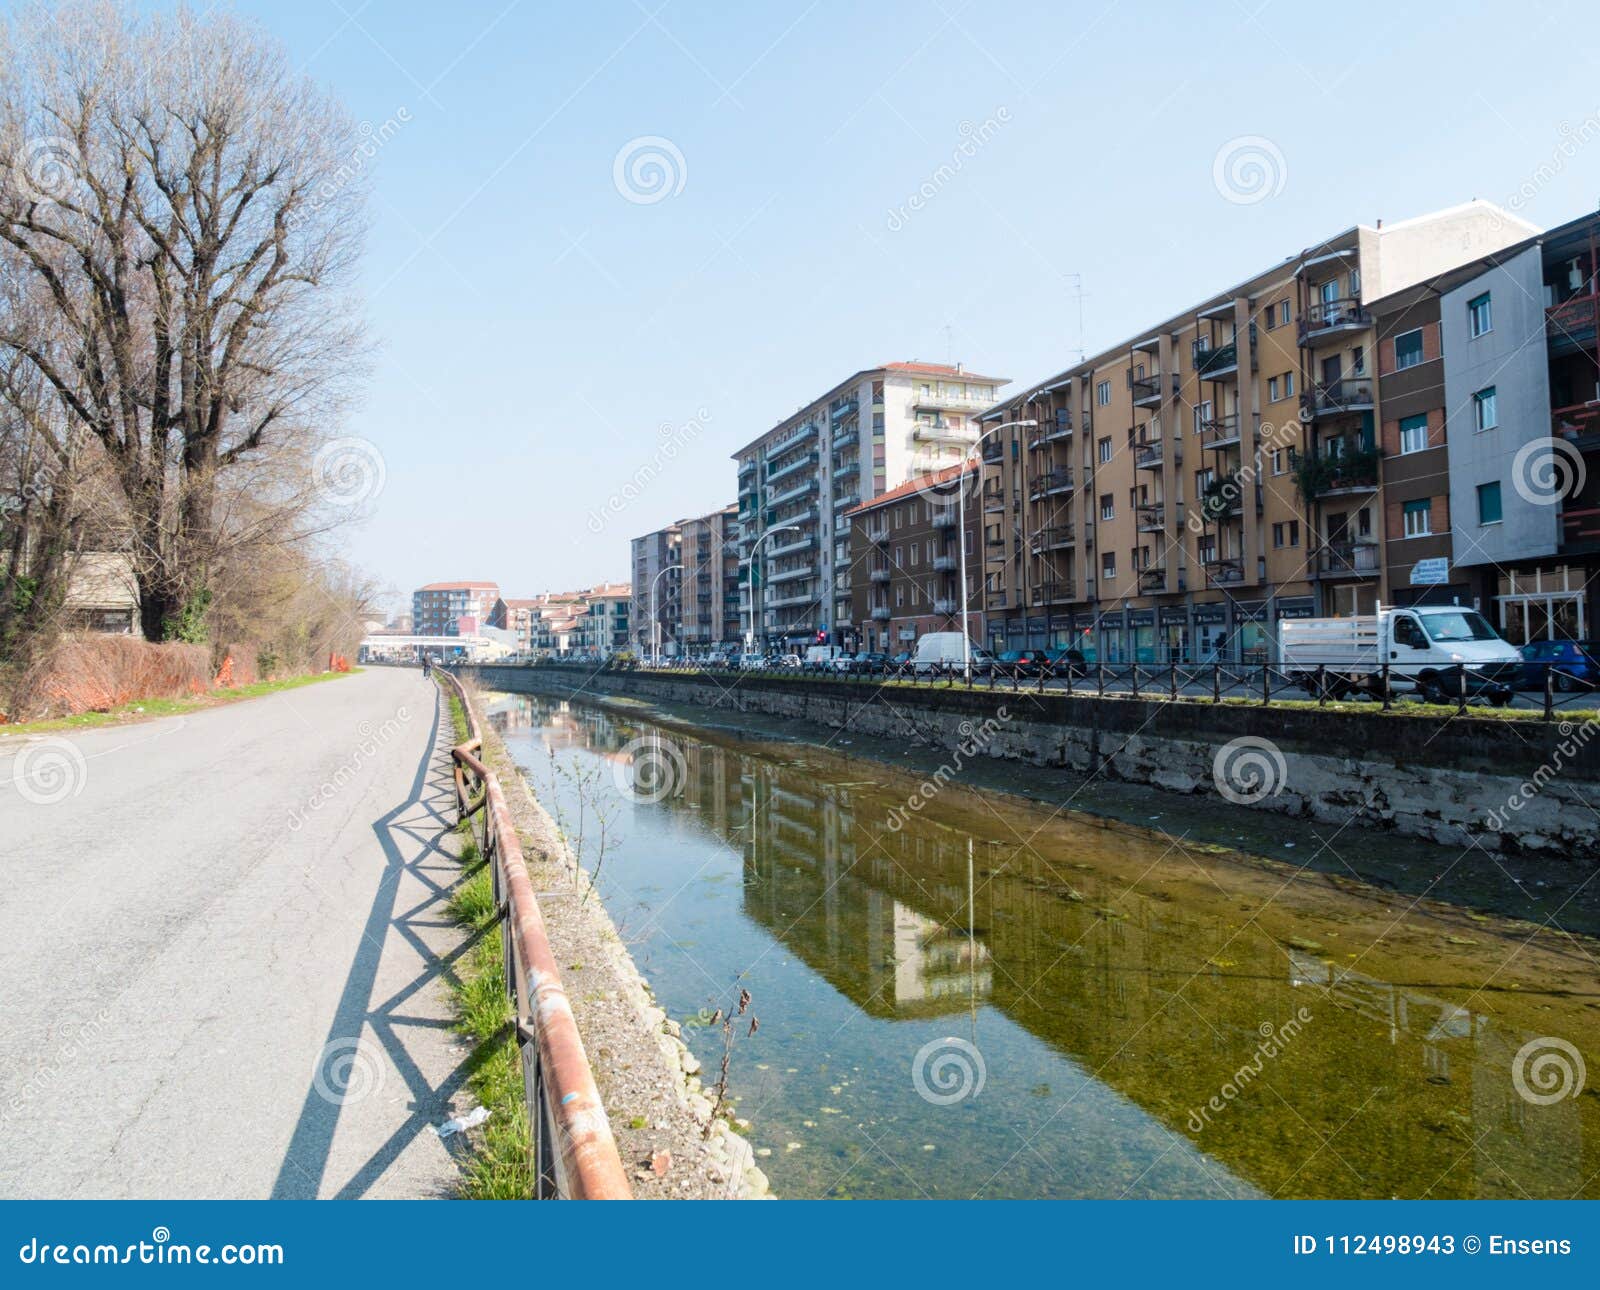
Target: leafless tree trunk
(188, 211)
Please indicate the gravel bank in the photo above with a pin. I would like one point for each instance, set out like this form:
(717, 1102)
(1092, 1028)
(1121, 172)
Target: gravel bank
(671, 1144)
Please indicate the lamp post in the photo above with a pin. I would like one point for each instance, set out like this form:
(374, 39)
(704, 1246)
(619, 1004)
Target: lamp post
(961, 539)
(655, 618)
(750, 560)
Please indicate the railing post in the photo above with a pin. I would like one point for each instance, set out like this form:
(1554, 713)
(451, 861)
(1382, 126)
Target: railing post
(1549, 695)
(1461, 696)
(1216, 683)
(1266, 687)
(1388, 691)
(1172, 671)
(1135, 679)
(1100, 667)
(1322, 685)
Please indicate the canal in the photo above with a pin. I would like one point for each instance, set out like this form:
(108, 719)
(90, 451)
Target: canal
(980, 997)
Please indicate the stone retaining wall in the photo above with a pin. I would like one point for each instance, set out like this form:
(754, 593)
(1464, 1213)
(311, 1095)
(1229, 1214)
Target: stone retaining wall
(1517, 786)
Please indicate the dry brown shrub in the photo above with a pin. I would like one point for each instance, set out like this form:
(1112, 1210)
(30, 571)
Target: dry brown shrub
(94, 672)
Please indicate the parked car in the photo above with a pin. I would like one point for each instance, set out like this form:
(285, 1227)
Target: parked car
(1571, 665)
(900, 663)
(870, 663)
(1067, 661)
(789, 661)
(1022, 662)
(945, 652)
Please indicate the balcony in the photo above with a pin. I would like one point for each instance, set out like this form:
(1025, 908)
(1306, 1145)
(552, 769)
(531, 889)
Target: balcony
(805, 515)
(747, 470)
(1580, 529)
(1346, 473)
(1572, 322)
(1153, 578)
(1056, 538)
(942, 431)
(1146, 390)
(1054, 593)
(804, 488)
(881, 574)
(1330, 318)
(946, 563)
(1219, 432)
(1052, 483)
(846, 499)
(945, 605)
(1151, 517)
(1051, 432)
(1579, 425)
(994, 501)
(1346, 560)
(1339, 398)
(942, 517)
(880, 613)
(845, 409)
(1222, 499)
(843, 470)
(994, 453)
(804, 460)
(1223, 573)
(994, 600)
(791, 548)
(846, 436)
(1216, 364)
(1148, 452)
(804, 597)
(950, 401)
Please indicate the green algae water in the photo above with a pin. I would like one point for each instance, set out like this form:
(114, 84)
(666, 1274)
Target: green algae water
(981, 997)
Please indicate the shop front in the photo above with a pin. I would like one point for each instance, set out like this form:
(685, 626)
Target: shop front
(1173, 633)
(1543, 604)
(1250, 632)
(1142, 635)
(1209, 627)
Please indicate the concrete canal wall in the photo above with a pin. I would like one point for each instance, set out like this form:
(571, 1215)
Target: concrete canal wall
(1508, 786)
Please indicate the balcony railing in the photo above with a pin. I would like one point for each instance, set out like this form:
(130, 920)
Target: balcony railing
(1224, 573)
(943, 517)
(1572, 320)
(1352, 471)
(1153, 578)
(1050, 432)
(1219, 432)
(879, 574)
(945, 563)
(804, 460)
(880, 613)
(1347, 559)
(844, 409)
(1055, 538)
(1147, 452)
(1355, 394)
(1330, 317)
(877, 533)
(1054, 593)
(1216, 363)
(945, 605)
(1151, 517)
(942, 432)
(1146, 389)
(1580, 528)
(1579, 423)
(1051, 483)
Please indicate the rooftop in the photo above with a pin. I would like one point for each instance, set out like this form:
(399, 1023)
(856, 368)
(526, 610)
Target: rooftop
(461, 586)
(917, 485)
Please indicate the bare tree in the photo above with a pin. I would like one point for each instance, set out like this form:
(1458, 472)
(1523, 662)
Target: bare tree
(189, 210)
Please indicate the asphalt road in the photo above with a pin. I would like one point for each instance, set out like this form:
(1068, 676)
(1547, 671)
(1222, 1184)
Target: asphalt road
(221, 946)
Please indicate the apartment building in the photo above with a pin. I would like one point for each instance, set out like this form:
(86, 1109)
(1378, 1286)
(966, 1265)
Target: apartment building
(798, 481)
(518, 618)
(1217, 473)
(605, 628)
(656, 610)
(906, 561)
(710, 554)
(1494, 501)
(439, 608)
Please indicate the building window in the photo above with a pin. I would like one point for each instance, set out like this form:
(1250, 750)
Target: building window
(1484, 414)
(1413, 433)
(1288, 385)
(1108, 507)
(1358, 360)
(1278, 467)
(1286, 534)
(1489, 503)
(1102, 393)
(1105, 450)
(1480, 320)
(1419, 518)
(1272, 389)
(1283, 313)
(1407, 350)
(1272, 315)
(1108, 566)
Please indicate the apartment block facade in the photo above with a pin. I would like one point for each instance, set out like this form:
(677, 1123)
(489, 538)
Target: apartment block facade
(799, 481)
(438, 608)
(605, 627)
(1184, 492)
(656, 610)
(1490, 386)
(710, 554)
(907, 557)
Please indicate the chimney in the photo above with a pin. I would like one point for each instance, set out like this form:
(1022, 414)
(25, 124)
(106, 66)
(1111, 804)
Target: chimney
(959, 368)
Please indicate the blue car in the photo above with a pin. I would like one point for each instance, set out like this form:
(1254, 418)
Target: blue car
(1572, 664)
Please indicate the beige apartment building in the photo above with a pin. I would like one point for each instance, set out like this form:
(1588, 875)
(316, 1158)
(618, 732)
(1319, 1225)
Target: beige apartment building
(798, 481)
(1185, 491)
(710, 553)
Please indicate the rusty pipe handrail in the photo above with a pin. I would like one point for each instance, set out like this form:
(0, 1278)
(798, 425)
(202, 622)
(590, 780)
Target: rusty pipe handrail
(575, 1156)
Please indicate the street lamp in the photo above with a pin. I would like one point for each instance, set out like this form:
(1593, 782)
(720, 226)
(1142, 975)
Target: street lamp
(961, 540)
(750, 560)
(655, 618)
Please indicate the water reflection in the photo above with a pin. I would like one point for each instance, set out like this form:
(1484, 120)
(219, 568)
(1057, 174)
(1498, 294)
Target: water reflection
(1135, 1007)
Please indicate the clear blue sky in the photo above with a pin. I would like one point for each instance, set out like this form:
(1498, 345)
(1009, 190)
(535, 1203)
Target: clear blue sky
(539, 329)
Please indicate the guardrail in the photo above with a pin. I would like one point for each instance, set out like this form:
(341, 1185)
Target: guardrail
(574, 1155)
(1207, 682)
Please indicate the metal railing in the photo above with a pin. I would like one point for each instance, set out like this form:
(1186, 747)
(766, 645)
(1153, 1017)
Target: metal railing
(574, 1155)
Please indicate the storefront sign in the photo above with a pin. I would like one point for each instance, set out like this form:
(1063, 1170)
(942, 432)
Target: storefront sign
(1141, 618)
(1426, 573)
(1212, 615)
(1297, 607)
(1249, 611)
(1174, 616)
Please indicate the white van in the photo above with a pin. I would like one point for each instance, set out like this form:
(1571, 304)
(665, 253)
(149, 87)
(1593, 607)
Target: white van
(941, 651)
(1426, 646)
(821, 658)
